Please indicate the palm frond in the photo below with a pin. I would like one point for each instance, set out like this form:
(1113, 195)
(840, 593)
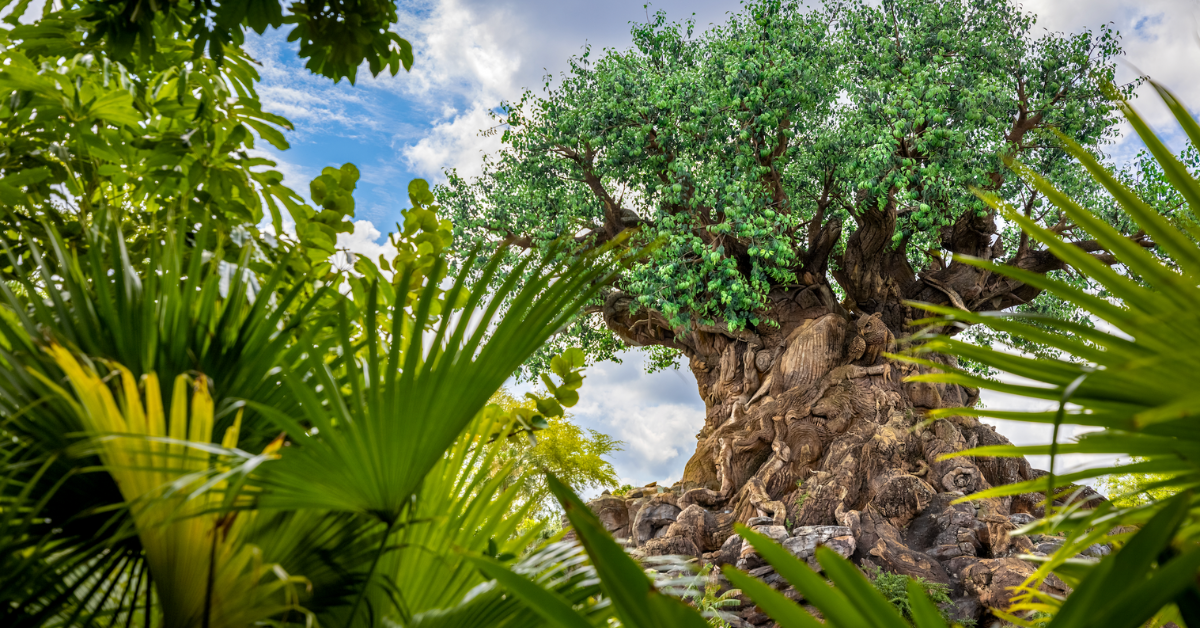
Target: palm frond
(162, 460)
(1133, 377)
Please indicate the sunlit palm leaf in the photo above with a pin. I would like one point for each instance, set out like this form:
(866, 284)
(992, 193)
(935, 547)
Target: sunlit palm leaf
(462, 506)
(375, 422)
(165, 314)
(559, 568)
(162, 460)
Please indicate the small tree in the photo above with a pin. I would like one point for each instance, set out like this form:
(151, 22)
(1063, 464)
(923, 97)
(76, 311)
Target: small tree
(573, 454)
(1137, 489)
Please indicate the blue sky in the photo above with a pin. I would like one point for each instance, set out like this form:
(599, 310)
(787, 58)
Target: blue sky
(471, 55)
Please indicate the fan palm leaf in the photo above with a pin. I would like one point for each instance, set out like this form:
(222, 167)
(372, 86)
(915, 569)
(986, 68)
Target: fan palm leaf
(1133, 377)
(161, 460)
(377, 419)
(167, 314)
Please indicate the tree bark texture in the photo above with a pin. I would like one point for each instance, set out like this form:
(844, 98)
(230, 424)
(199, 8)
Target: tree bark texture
(809, 426)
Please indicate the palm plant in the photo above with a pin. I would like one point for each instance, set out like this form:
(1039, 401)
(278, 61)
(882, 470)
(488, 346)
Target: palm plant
(170, 319)
(377, 467)
(1135, 383)
(161, 462)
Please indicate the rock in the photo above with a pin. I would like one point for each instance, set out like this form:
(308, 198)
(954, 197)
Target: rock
(670, 546)
(613, 513)
(1047, 548)
(754, 616)
(655, 514)
(843, 545)
(748, 558)
(967, 609)
(805, 539)
(1096, 550)
(1021, 518)
(730, 551)
(767, 574)
(760, 521)
(778, 533)
(990, 580)
(634, 506)
(697, 524)
(900, 497)
(702, 496)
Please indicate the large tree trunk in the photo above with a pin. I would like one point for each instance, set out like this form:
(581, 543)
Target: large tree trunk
(808, 423)
(812, 411)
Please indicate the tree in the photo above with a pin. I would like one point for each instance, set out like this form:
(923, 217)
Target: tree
(115, 107)
(1126, 490)
(805, 174)
(571, 453)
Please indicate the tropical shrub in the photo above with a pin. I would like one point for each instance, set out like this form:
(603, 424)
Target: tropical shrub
(153, 333)
(1134, 383)
(353, 509)
(894, 587)
(1136, 489)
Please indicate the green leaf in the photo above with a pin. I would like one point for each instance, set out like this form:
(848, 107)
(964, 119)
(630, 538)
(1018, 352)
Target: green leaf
(550, 605)
(418, 192)
(549, 407)
(925, 614)
(779, 607)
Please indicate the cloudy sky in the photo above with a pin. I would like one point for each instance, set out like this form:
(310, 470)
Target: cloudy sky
(471, 55)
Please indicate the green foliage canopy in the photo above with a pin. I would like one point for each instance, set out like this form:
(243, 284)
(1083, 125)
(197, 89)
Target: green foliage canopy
(792, 145)
(158, 131)
(336, 36)
(1127, 490)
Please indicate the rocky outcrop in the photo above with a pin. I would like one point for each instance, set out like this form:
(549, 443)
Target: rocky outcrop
(913, 529)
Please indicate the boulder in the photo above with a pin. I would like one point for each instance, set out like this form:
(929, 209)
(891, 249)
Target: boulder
(657, 513)
(670, 546)
(748, 558)
(805, 539)
(990, 580)
(697, 524)
(730, 551)
(778, 533)
(702, 496)
(613, 514)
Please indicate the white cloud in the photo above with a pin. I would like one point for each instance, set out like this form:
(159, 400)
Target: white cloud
(363, 241)
(460, 50)
(456, 142)
(656, 415)
(1159, 38)
(314, 103)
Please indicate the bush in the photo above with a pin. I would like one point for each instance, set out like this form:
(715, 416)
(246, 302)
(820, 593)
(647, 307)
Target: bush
(894, 587)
